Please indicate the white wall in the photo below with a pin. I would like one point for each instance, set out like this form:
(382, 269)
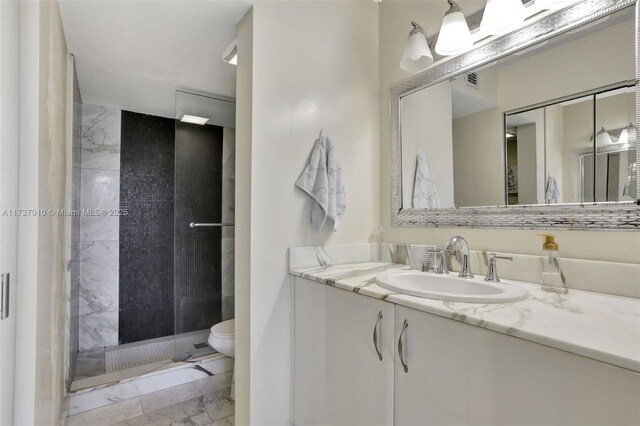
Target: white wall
(527, 170)
(553, 144)
(531, 166)
(315, 66)
(608, 246)
(471, 153)
(426, 124)
(543, 76)
(41, 272)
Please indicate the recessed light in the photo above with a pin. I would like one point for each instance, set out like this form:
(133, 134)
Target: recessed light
(194, 119)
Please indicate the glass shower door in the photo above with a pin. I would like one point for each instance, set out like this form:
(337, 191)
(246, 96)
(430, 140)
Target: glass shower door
(203, 219)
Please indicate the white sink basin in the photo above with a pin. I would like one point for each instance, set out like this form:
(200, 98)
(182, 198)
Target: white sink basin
(451, 288)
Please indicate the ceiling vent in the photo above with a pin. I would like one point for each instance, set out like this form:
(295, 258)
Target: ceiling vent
(472, 80)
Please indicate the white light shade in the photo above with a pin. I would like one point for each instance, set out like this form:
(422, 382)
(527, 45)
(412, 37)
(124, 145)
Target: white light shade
(417, 54)
(194, 119)
(624, 136)
(502, 15)
(628, 134)
(603, 138)
(549, 4)
(454, 36)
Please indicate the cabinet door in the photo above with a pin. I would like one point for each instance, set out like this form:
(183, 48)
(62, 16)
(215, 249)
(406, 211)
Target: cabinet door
(339, 378)
(432, 390)
(466, 375)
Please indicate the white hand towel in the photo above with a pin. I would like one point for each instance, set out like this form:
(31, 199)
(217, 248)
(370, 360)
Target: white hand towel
(425, 192)
(553, 191)
(322, 181)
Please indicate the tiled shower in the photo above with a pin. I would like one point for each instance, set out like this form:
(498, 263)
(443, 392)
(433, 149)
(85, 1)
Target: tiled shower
(146, 280)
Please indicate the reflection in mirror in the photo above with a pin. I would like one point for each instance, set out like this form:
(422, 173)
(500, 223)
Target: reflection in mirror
(521, 130)
(537, 140)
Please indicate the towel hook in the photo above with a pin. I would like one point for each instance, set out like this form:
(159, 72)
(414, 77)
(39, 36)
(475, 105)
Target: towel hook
(320, 133)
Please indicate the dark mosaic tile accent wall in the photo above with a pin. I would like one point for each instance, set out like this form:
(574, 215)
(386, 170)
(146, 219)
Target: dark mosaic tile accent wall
(146, 233)
(198, 198)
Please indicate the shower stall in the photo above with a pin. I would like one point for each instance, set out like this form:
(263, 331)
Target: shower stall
(153, 246)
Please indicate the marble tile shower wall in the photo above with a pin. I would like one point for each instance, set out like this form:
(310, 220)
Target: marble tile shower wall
(98, 235)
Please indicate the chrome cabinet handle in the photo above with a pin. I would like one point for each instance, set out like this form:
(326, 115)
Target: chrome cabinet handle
(4, 295)
(376, 330)
(401, 348)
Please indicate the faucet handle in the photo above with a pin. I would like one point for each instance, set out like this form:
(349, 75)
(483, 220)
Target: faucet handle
(495, 256)
(492, 271)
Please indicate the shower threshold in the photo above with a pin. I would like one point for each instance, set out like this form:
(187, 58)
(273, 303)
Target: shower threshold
(152, 383)
(142, 356)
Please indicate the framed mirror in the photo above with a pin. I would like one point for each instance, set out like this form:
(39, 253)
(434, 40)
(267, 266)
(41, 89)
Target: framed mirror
(534, 129)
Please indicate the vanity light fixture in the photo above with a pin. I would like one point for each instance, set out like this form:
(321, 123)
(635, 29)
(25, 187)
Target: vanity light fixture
(417, 54)
(230, 54)
(454, 36)
(501, 16)
(194, 119)
(510, 135)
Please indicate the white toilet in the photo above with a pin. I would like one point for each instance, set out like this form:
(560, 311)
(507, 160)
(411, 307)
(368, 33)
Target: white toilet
(223, 339)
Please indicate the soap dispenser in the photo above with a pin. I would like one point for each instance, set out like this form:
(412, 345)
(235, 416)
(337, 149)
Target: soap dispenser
(551, 277)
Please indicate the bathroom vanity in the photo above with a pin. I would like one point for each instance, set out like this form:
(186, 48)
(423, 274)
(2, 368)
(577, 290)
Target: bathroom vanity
(364, 355)
(523, 131)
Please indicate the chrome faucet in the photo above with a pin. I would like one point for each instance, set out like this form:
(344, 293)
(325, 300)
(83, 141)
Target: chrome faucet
(450, 247)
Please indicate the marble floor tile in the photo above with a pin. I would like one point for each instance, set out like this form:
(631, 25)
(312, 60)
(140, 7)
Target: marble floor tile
(90, 363)
(104, 416)
(171, 396)
(190, 412)
(219, 405)
(228, 421)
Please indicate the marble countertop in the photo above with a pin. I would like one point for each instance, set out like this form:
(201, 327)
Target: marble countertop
(595, 325)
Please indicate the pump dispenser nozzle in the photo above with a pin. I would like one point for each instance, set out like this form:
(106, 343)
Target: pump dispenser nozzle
(549, 242)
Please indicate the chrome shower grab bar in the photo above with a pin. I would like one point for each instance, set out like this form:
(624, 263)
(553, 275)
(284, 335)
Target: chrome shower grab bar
(197, 225)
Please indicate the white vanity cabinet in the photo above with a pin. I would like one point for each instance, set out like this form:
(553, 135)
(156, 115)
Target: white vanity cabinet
(339, 378)
(459, 374)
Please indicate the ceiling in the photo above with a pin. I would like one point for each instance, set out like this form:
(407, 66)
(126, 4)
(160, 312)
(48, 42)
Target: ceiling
(133, 55)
